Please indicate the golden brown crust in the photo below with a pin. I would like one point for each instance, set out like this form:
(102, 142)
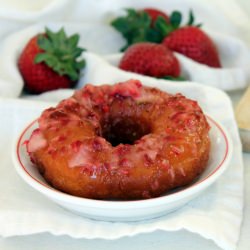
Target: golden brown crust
(123, 141)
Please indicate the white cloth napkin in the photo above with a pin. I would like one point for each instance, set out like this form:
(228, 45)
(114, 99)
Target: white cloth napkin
(15, 15)
(91, 21)
(223, 16)
(215, 215)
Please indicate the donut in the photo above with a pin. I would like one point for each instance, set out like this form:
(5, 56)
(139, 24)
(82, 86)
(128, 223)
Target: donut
(124, 141)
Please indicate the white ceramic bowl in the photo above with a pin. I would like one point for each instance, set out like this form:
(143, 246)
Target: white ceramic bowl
(221, 151)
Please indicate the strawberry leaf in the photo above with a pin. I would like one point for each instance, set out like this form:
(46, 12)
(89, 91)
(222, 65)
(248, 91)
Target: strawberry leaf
(163, 27)
(41, 57)
(134, 27)
(175, 19)
(51, 61)
(191, 18)
(73, 40)
(172, 78)
(153, 36)
(61, 35)
(77, 52)
(60, 53)
(79, 65)
(44, 43)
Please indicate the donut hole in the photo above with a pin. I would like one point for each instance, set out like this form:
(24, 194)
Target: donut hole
(124, 130)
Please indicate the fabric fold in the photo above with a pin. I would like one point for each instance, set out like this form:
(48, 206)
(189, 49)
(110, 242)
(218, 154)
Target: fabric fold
(216, 214)
(103, 41)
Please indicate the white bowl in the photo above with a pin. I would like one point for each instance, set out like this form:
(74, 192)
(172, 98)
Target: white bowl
(221, 151)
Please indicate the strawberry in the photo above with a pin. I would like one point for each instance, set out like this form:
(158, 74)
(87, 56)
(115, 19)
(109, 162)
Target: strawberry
(49, 61)
(141, 25)
(192, 42)
(150, 59)
(188, 40)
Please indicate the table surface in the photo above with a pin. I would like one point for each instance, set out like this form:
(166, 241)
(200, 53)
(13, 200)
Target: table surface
(156, 240)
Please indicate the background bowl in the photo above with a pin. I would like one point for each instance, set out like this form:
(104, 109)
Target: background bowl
(221, 151)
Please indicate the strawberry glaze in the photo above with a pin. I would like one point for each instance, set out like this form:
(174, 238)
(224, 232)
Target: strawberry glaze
(36, 142)
(122, 141)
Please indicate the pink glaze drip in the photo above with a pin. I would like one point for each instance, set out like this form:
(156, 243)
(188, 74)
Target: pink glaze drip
(130, 88)
(84, 152)
(81, 157)
(53, 119)
(171, 173)
(177, 149)
(36, 142)
(148, 147)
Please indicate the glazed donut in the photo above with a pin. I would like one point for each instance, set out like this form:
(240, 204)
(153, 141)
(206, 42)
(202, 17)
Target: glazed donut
(124, 141)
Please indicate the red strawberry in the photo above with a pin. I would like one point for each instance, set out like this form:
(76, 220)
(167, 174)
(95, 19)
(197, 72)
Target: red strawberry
(49, 61)
(150, 59)
(189, 40)
(192, 42)
(155, 13)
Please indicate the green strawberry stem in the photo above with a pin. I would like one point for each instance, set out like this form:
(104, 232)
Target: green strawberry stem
(137, 26)
(172, 78)
(61, 53)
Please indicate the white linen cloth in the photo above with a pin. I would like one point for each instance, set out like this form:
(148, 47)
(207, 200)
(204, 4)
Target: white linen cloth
(224, 16)
(215, 215)
(97, 36)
